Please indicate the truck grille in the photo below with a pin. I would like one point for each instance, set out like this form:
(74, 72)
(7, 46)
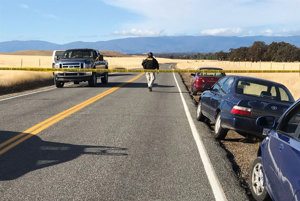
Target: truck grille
(71, 65)
(71, 74)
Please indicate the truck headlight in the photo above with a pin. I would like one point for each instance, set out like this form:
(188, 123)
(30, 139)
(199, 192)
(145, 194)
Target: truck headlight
(56, 65)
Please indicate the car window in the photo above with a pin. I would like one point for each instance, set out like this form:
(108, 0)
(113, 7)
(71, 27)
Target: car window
(227, 84)
(273, 91)
(262, 89)
(217, 86)
(291, 123)
(211, 74)
(283, 95)
(95, 54)
(71, 54)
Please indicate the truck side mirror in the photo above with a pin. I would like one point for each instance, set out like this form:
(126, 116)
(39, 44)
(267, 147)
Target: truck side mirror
(100, 57)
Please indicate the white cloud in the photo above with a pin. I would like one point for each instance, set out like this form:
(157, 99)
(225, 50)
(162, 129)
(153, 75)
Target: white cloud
(222, 32)
(267, 32)
(25, 6)
(191, 16)
(137, 32)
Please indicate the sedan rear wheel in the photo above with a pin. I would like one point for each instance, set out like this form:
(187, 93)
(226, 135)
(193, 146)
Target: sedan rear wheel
(257, 187)
(220, 133)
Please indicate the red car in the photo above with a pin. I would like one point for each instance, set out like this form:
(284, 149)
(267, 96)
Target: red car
(207, 78)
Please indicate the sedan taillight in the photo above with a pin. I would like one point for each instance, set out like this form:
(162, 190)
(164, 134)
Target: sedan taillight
(241, 110)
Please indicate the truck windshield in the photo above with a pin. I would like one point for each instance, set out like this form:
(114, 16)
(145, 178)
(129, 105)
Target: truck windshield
(72, 54)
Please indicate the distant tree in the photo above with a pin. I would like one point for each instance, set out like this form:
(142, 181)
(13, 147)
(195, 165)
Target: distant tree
(256, 51)
(287, 53)
(221, 55)
(271, 52)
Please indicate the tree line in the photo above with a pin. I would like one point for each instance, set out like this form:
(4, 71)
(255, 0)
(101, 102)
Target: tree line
(258, 51)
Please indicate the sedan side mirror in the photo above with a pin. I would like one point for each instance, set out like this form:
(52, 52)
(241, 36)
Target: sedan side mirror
(266, 122)
(193, 74)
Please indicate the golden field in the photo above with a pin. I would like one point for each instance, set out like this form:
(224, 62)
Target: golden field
(290, 80)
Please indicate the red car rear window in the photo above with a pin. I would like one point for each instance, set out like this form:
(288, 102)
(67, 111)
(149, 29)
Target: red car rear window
(212, 74)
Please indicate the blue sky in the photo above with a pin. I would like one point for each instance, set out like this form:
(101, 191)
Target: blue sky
(63, 21)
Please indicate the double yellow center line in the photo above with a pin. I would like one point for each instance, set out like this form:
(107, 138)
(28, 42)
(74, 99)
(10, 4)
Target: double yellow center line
(21, 137)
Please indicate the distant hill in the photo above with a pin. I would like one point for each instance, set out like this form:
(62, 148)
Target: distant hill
(31, 52)
(107, 53)
(49, 53)
(166, 44)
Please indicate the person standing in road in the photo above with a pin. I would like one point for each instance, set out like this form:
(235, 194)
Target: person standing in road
(150, 63)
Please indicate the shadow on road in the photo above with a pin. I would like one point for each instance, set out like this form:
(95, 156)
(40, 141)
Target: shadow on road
(34, 153)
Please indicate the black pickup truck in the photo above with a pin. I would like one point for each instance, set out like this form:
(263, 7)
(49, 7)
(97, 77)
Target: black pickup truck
(80, 59)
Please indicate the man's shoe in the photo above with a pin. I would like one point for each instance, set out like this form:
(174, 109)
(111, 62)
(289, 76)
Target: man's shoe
(150, 88)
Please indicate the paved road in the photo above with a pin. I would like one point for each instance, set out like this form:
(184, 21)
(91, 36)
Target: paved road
(130, 144)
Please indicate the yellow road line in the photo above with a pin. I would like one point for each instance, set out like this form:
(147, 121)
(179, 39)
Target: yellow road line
(34, 130)
(39, 69)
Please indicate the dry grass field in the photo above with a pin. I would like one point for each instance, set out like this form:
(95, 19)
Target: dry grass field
(11, 78)
(291, 80)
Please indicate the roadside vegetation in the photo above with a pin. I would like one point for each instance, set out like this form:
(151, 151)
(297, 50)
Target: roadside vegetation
(258, 51)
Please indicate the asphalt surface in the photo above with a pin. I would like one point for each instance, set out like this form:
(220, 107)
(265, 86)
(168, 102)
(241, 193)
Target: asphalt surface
(131, 144)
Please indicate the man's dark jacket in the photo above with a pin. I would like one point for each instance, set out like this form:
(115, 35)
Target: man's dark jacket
(150, 63)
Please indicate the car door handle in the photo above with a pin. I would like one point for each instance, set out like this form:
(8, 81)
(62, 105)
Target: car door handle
(281, 147)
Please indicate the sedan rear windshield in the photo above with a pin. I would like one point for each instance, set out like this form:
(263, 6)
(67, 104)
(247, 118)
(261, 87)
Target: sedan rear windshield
(263, 89)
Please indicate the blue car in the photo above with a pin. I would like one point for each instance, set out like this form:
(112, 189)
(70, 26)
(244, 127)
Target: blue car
(235, 102)
(276, 170)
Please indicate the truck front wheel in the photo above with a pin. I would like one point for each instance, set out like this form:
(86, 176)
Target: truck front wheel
(58, 84)
(104, 79)
(93, 80)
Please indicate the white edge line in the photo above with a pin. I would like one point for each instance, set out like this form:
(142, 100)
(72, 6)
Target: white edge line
(27, 94)
(210, 172)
